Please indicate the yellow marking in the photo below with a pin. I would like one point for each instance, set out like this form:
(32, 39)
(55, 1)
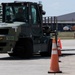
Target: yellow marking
(1, 38)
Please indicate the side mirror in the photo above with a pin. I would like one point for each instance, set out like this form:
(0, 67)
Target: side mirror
(43, 12)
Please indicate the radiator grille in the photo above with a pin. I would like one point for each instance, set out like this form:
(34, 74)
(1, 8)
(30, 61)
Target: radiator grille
(4, 31)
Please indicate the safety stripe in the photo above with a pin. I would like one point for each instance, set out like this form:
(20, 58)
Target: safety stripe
(58, 44)
(54, 51)
(58, 48)
(54, 45)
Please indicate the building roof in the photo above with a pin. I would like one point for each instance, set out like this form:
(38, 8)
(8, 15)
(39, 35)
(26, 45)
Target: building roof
(69, 16)
(66, 18)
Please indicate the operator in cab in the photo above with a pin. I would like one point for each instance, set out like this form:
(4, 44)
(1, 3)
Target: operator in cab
(20, 16)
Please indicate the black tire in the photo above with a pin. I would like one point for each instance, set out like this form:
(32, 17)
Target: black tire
(23, 48)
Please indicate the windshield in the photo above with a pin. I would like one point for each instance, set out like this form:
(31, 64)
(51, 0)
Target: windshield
(16, 13)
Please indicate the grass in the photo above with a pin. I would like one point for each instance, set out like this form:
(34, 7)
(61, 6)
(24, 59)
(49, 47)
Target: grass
(66, 35)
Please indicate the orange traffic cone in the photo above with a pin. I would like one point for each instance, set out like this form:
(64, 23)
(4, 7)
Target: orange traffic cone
(59, 46)
(54, 67)
(60, 43)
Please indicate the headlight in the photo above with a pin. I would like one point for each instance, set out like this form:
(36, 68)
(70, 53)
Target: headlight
(2, 37)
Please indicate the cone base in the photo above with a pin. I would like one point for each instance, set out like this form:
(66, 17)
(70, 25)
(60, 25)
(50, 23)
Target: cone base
(59, 61)
(55, 72)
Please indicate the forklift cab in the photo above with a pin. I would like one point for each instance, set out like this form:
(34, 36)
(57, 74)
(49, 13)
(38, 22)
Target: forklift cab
(28, 12)
(22, 11)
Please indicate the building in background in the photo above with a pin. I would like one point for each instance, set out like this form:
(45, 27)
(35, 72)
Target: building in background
(65, 22)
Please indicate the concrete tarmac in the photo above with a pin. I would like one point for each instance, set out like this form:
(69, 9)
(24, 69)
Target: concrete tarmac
(35, 66)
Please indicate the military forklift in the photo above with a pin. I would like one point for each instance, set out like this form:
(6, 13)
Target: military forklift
(21, 32)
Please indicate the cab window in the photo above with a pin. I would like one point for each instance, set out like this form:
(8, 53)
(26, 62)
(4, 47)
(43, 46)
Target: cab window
(9, 16)
(20, 13)
(16, 13)
(34, 14)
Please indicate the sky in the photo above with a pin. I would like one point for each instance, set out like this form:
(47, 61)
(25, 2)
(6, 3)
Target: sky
(53, 7)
